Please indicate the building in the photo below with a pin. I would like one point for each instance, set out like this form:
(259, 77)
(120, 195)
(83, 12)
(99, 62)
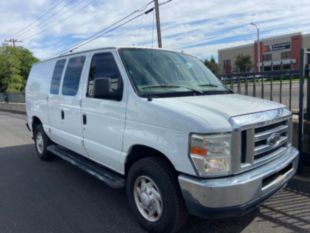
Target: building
(276, 53)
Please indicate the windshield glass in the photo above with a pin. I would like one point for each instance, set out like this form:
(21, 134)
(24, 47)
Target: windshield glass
(164, 73)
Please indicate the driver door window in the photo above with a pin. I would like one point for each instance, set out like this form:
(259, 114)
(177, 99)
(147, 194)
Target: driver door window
(103, 65)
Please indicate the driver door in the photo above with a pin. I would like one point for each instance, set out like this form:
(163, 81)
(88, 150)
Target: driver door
(104, 119)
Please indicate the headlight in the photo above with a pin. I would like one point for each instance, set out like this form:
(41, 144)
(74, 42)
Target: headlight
(211, 153)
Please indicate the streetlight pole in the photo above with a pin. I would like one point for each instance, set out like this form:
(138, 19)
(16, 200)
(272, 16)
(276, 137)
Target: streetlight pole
(258, 47)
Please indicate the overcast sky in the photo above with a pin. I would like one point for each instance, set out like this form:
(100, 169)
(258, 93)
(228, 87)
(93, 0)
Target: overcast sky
(199, 27)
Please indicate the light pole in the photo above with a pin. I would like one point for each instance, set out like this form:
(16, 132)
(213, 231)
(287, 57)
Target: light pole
(258, 47)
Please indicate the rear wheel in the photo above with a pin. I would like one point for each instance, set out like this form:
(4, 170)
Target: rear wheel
(42, 141)
(154, 196)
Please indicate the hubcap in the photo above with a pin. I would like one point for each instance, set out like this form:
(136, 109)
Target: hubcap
(39, 143)
(148, 198)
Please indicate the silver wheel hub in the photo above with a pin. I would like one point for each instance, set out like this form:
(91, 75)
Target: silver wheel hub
(145, 199)
(148, 198)
(39, 143)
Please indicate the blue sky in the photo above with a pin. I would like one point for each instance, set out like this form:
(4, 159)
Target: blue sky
(193, 26)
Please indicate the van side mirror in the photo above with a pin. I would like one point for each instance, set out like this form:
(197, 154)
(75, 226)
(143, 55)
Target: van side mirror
(107, 88)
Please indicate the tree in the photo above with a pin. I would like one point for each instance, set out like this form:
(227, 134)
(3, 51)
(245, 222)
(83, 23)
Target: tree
(243, 63)
(212, 65)
(15, 65)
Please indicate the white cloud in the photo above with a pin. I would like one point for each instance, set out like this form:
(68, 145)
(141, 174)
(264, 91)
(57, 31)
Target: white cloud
(196, 26)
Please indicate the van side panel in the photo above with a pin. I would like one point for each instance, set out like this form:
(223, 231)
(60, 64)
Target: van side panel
(37, 91)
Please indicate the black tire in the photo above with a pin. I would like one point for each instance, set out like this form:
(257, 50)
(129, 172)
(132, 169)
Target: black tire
(41, 150)
(174, 214)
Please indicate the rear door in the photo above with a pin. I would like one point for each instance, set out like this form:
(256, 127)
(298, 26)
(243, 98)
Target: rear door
(104, 119)
(70, 132)
(54, 100)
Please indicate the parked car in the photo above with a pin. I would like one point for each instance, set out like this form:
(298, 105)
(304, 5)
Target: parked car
(159, 123)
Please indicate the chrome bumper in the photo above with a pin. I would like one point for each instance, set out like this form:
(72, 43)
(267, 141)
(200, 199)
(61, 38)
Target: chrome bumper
(236, 195)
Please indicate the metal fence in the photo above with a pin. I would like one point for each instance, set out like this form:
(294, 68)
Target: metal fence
(280, 86)
(12, 97)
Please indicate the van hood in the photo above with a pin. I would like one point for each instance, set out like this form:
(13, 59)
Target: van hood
(227, 105)
(199, 114)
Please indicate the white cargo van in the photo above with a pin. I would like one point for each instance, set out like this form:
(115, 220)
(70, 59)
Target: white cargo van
(162, 125)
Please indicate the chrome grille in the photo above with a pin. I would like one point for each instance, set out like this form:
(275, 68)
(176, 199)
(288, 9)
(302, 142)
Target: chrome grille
(269, 139)
(260, 143)
(260, 137)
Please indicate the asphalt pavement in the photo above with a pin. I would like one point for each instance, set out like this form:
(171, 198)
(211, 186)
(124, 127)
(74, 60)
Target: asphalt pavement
(55, 197)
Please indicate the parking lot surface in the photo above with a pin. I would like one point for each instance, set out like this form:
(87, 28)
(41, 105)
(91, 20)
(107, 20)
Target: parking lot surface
(55, 197)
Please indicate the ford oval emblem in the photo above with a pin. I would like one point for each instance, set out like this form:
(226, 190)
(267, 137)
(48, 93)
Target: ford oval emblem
(273, 139)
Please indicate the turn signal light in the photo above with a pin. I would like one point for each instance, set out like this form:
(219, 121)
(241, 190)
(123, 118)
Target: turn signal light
(199, 151)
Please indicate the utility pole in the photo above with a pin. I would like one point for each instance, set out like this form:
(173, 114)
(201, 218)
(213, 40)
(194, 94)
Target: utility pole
(13, 41)
(158, 24)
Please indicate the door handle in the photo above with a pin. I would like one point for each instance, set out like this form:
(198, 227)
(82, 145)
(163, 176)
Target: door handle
(62, 114)
(84, 119)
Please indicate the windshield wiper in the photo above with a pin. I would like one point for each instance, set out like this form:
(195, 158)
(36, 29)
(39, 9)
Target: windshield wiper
(213, 85)
(172, 86)
(208, 85)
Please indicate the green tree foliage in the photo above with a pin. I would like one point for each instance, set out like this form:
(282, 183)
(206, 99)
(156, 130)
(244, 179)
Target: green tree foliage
(15, 65)
(212, 65)
(243, 63)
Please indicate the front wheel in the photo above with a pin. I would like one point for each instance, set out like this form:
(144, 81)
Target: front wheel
(154, 196)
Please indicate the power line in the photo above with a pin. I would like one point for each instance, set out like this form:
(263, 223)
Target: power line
(49, 19)
(79, 6)
(113, 29)
(106, 30)
(101, 34)
(115, 23)
(29, 26)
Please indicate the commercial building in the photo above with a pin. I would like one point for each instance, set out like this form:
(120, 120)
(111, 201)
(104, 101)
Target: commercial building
(276, 53)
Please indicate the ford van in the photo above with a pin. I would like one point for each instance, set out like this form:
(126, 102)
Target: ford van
(161, 125)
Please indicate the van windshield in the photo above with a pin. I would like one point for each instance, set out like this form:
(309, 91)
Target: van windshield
(160, 73)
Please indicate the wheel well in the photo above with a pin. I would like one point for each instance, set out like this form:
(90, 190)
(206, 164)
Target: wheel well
(35, 122)
(138, 152)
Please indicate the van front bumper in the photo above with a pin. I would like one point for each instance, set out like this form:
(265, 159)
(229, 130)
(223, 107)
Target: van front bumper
(239, 194)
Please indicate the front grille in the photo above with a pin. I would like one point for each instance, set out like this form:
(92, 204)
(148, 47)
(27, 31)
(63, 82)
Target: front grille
(260, 143)
(263, 146)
